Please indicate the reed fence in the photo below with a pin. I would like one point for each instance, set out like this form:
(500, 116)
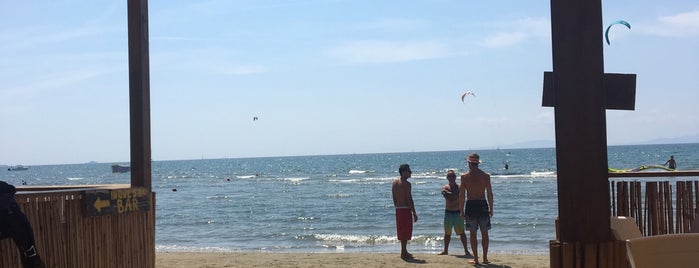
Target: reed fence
(660, 202)
(67, 237)
(665, 205)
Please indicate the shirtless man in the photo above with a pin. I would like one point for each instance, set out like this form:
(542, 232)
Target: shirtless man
(452, 217)
(671, 163)
(405, 209)
(474, 185)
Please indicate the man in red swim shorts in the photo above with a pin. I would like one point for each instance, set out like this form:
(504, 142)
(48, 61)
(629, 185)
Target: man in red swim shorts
(405, 209)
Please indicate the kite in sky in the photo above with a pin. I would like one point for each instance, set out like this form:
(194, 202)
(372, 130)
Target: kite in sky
(463, 96)
(606, 33)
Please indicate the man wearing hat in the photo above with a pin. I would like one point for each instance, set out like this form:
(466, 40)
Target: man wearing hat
(475, 187)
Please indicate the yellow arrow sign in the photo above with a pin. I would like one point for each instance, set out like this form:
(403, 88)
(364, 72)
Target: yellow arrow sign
(100, 204)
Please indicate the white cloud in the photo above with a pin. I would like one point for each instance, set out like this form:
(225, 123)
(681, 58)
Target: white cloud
(396, 24)
(681, 24)
(504, 39)
(53, 81)
(242, 69)
(213, 59)
(373, 51)
(516, 32)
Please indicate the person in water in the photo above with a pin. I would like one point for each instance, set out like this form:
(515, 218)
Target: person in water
(670, 163)
(452, 214)
(401, 191)
(14, 224)
(475, 188)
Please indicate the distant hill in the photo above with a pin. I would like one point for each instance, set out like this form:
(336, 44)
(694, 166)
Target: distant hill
(532, 144)
(552, 143)
(685, 139)
(522, 145)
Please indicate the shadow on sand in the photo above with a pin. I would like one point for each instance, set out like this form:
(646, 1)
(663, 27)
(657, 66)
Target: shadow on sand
(414, 260)
(489, 265)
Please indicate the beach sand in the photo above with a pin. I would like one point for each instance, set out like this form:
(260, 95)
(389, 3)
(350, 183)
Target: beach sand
(353, 260)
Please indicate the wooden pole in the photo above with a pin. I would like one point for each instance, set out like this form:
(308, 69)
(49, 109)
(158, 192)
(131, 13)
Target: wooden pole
(139, 93)
(581, 135)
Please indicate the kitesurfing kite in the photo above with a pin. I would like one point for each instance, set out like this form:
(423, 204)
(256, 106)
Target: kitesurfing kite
(463, 96)
(606, 33)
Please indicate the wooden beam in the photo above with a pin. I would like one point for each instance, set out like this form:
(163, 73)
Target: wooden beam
(139, 93)
(619, 91)
(581, 135)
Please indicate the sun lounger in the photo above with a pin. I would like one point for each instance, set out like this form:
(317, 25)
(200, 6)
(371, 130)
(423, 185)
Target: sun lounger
(624, 228)
(672, 250)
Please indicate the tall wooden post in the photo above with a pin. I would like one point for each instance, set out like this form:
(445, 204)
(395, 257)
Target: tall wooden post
(581, 135)
(139, 94)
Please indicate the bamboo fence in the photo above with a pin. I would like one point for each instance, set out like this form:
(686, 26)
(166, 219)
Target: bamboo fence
(66, 237)
(660, 202)
(657, 206)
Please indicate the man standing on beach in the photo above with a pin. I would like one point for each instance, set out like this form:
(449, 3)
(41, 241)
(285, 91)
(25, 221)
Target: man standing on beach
(405, 209)
(452, 216)
(474, 185)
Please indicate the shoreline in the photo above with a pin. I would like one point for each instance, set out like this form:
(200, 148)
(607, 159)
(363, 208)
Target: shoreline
(360, 260)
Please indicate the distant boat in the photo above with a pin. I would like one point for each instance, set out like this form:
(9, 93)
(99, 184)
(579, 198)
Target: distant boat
(120, 169)
(17, 168)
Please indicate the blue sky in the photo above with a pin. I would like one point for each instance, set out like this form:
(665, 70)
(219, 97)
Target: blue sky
(323, 76)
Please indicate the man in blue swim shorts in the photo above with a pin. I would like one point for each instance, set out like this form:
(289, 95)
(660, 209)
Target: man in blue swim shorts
(475, 188)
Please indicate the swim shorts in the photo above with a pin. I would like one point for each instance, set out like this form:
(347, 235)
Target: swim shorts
(452, 219)
(404, 223)
(477, 215)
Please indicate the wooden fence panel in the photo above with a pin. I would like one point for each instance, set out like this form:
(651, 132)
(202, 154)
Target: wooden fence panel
(66, 237)
(657, 206)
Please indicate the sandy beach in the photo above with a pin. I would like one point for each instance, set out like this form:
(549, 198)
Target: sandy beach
(356, 260)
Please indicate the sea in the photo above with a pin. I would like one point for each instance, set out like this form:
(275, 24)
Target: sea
(342, 203)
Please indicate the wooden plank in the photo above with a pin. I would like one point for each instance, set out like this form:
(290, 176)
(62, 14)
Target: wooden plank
(619, 90)
(568, 255)
(590, 255)
(555, 254)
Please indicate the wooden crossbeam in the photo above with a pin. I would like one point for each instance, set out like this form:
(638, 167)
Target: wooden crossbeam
(619, 91)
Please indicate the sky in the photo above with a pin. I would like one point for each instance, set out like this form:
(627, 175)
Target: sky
(322, 76)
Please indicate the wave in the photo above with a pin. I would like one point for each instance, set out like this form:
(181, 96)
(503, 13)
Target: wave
(178, 248)
(338, 195)
(293, 180)
(75, 179)
(246, 176)
(533, 174)
(364, 180)
(216, 197)
(345, 180)
(543, 173)
(356, 171)
(354, 240)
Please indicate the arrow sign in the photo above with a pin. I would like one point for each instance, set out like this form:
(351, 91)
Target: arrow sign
(115, 201)
(100, 204)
